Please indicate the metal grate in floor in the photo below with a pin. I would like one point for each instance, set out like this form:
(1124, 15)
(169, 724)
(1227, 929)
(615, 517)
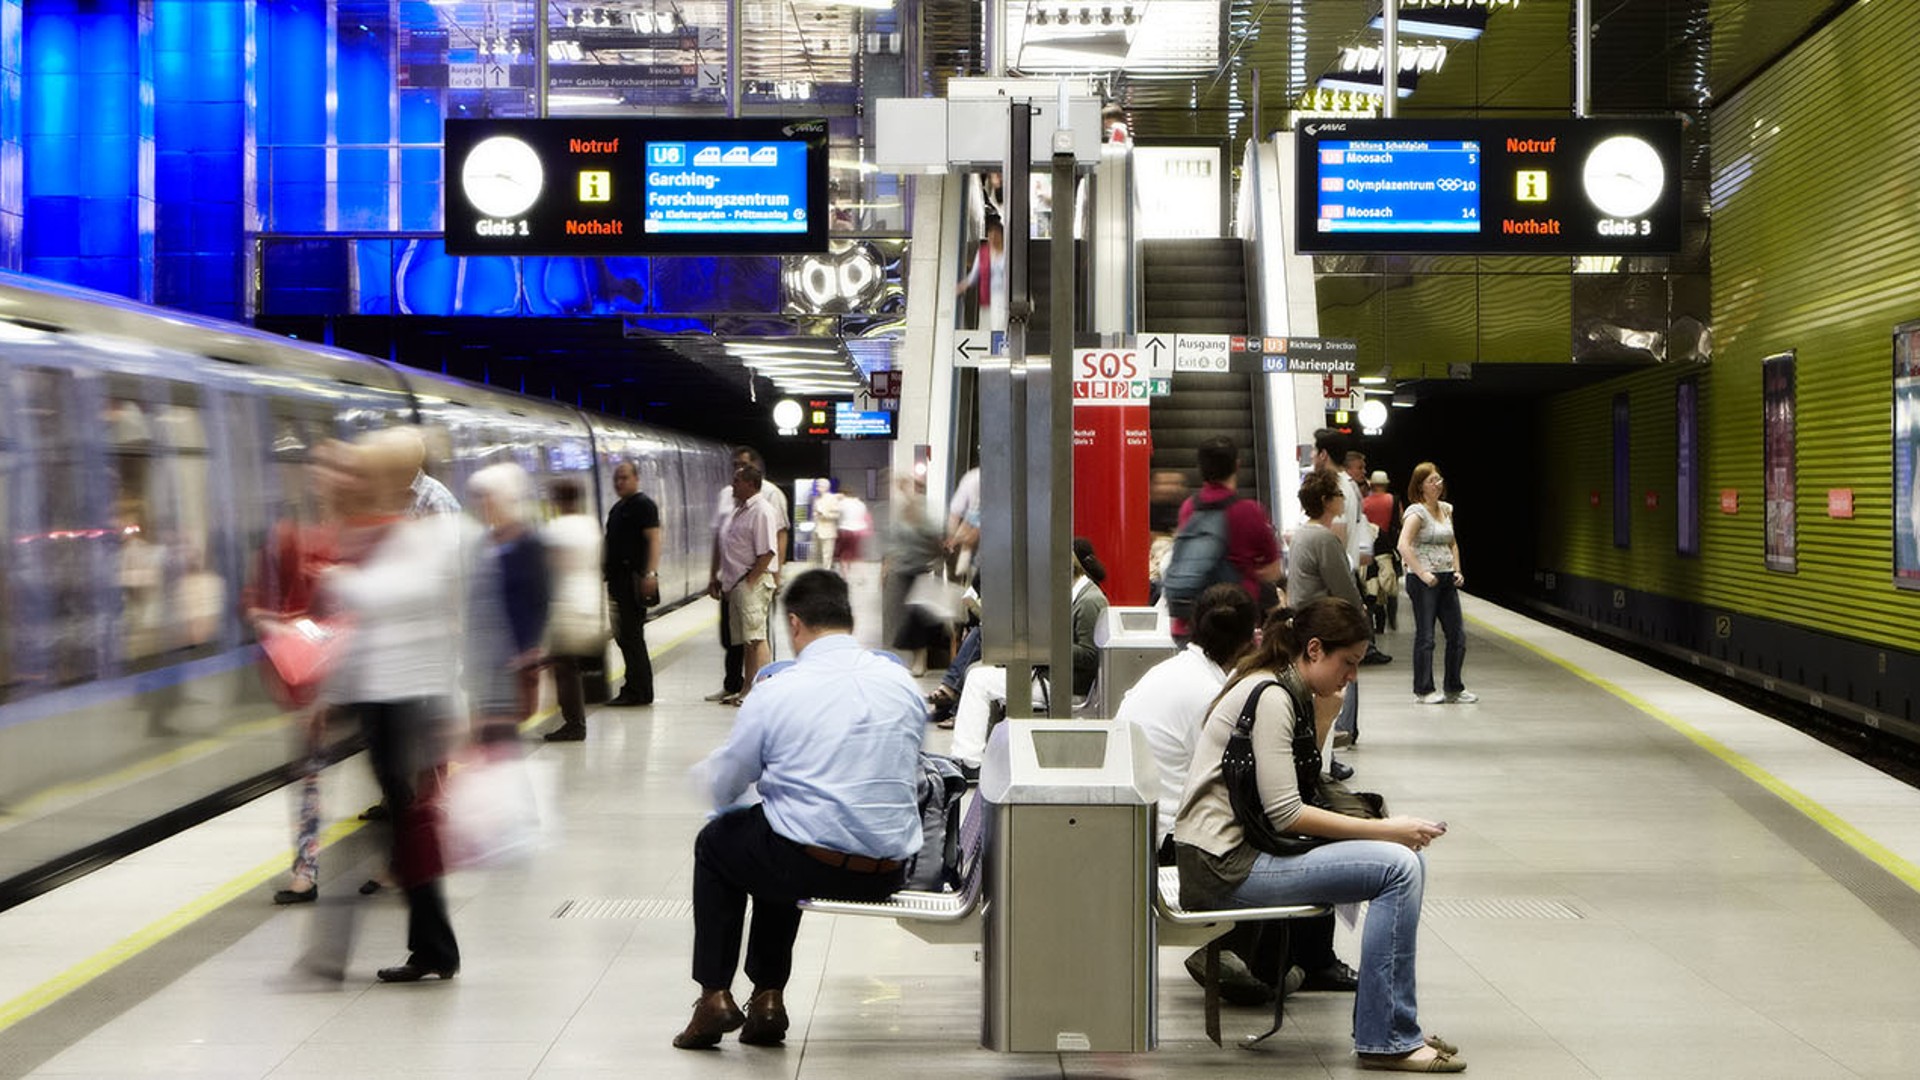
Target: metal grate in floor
(625, 909)
(1510, 908)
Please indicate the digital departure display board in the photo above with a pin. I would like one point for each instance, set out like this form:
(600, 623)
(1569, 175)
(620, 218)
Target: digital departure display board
(633, 186)
(1505, 187)
(852, 423)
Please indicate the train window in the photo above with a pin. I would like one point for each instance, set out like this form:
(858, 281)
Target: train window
(59, 545)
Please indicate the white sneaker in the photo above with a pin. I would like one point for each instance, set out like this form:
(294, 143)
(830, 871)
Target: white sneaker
(719, 695)
(1435, 698)
(1464, 697)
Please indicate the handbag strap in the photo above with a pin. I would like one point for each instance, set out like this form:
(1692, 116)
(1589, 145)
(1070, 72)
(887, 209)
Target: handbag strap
(1240, 771)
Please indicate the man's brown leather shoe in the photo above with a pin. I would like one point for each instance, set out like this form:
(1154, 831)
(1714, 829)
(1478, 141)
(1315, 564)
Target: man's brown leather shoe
(766, 1019)
(714, 1015)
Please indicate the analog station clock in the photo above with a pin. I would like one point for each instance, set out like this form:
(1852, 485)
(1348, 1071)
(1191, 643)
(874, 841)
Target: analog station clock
(502, 177)
(1624, 176)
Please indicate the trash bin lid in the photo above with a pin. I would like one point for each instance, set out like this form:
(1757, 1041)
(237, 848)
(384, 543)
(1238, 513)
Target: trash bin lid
(1104, 762)
(1134, 628)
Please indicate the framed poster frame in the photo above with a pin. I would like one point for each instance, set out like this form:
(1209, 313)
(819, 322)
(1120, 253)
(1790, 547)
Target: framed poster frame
(1906, 455)
(1777, 402)
(1686, 481)
(1622, 470)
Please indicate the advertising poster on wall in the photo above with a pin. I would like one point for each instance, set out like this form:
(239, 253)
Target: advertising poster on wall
(1622, 471)
(1777, 399)
(1906, 455)
(1686, 486)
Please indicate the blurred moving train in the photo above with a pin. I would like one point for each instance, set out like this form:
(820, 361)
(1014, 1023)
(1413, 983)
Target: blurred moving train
(144, 456)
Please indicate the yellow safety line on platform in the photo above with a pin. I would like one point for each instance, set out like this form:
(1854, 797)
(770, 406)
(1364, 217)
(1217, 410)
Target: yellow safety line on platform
(84, 972)
(138, 942)
(1842, 830)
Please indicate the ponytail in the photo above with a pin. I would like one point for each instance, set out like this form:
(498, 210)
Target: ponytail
(1336, 622)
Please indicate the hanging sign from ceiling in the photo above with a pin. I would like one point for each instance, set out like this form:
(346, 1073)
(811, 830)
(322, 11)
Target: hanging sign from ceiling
(1497, 187)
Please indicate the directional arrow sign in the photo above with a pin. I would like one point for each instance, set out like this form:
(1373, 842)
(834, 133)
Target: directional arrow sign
(1158, 349)
(971, 346)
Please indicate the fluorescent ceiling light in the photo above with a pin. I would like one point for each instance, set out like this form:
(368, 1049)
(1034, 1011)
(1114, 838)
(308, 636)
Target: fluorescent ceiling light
(1454, 24)
(1360, 82)
(1373, 380)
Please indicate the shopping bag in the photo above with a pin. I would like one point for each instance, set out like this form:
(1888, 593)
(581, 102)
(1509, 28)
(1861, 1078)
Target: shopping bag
(498, 808)
(936, 598)
(300, 653)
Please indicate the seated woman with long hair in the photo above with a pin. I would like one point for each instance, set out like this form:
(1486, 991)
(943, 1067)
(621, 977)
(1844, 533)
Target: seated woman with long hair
(1315, 651)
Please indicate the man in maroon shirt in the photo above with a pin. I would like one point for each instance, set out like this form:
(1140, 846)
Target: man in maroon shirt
(1252, 547)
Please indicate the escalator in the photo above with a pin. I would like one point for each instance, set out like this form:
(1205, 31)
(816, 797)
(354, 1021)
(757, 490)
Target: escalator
(1202, 287)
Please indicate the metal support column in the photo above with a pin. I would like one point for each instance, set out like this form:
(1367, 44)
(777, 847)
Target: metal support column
(1582, 56)
(1390, 59)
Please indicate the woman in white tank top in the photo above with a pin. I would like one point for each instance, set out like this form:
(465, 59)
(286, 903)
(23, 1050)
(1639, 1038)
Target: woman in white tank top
(1432, 558)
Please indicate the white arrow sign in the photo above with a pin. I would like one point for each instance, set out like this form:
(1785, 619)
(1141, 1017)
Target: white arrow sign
(1158, 351)
(971, 346)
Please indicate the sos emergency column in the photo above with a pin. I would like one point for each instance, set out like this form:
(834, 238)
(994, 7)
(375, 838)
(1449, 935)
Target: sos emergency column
(1112, 458)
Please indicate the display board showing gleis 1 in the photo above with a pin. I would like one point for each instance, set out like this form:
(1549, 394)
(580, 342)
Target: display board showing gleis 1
(1502, 187)
(630, 186)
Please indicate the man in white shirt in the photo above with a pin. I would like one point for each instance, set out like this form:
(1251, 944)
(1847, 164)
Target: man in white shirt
(733, 681)
(744, 554)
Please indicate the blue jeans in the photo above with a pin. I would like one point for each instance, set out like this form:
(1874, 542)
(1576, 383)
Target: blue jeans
(1441, 600)
(964, 657)
(1385, 1016)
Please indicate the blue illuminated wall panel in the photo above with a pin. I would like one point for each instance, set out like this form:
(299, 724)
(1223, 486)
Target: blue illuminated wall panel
(293, 62)
(87, 138)
(202, 57)
(13, 199)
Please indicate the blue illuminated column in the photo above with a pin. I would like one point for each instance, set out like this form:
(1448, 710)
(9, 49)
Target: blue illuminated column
(88, 144)
(202, 56)
(13, 197)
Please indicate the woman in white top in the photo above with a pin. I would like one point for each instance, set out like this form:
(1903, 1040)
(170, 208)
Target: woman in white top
(1432, 558)
(577, 621)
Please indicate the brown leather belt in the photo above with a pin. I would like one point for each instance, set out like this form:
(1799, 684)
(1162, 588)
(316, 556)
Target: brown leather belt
(859, 864)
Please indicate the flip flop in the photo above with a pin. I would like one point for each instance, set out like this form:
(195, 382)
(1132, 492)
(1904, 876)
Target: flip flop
(1439, 1063)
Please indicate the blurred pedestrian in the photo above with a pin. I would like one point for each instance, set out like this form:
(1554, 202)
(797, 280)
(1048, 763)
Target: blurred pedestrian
(577, 619)
(398, 677)
(508, 598)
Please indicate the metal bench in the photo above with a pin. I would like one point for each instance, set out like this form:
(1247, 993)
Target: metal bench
(1178, 926)
(942, 918)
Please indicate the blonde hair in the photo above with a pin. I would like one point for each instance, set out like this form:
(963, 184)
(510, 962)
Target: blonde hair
(507, 486)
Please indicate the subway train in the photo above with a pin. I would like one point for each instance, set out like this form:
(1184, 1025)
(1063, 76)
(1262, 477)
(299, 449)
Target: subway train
(144, 457)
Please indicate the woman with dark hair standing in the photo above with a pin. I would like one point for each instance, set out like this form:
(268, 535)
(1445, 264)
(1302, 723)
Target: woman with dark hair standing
(1432, 558)
(1224, 863)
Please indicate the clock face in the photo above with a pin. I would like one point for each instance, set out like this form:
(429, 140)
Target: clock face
(501, 177)
(1624, 176)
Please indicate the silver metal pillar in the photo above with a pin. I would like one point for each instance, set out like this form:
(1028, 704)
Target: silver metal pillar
(1582, 55)
(1390, 59)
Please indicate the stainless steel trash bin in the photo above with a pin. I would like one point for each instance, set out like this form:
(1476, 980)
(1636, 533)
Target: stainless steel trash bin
(1131, 640)
(1069, 924)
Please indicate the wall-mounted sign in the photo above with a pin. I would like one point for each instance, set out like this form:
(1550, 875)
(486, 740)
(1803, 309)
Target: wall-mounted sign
(1840, 502)
(628, 186)
(1729, 500)
(1294, 355)
(1906, 455)
(1503, 186)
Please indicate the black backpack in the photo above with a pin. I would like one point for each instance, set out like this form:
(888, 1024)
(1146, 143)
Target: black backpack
(1199, 557)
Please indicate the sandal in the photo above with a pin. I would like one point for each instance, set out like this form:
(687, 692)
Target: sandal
(1443, 1046)
(1438, 1063)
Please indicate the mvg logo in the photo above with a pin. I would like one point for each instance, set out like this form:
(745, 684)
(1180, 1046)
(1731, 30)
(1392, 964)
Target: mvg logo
(667, 153)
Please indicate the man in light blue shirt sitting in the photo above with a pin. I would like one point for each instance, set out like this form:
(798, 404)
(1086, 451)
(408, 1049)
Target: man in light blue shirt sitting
(832, 743)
